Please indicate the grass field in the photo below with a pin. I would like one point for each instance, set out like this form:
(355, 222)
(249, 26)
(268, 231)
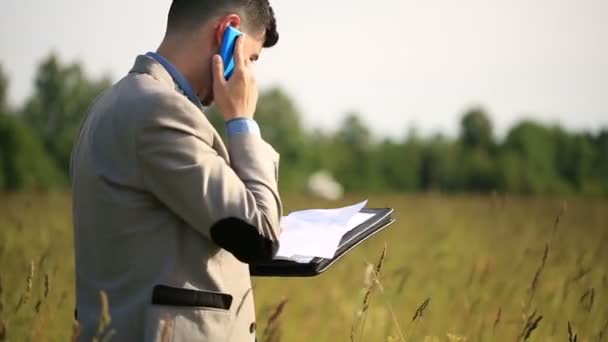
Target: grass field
(495, 269)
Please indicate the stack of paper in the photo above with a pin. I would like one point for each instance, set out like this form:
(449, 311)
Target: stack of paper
(317, 232)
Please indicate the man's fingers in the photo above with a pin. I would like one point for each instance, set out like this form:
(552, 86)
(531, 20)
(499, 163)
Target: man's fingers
(239, 54)
(218, 70)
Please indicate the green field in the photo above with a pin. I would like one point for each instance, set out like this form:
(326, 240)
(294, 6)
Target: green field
(478, 259)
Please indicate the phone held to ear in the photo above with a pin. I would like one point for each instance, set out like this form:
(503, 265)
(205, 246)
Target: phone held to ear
(227, 50)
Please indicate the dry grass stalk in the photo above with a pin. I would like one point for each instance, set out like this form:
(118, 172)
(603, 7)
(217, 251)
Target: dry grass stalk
(47, 285)
(403, 274)
(104, 320)
(43, 258)
(455, 338)
(3, 331)
(393, 316)
(582, 271)
(368, 276)
(417, 316)
(390, 307)
(536, 279)
(362, 313)
(166, 331)
(1, 298)
(471, 306)
(530, 325)
(272, 331)
(108, 337)
(587, 299)
(25, 297)
(472, 275)
(420, 311)
(562, 211)
(572, 336)
(19, 303)
(380, 263)
(603, 330)
(497, 320)
(38, 305)
(30, 277)
(75, 331)
(485, 271)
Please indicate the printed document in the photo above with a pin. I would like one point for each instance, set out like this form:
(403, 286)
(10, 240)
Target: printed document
(317, 232)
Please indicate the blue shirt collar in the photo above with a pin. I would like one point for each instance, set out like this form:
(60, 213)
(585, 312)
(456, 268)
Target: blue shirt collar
(178, 78)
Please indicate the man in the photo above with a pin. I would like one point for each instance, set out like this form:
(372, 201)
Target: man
(166, 217)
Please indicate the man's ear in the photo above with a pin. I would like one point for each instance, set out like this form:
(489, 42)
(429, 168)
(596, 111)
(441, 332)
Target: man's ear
(233, 20)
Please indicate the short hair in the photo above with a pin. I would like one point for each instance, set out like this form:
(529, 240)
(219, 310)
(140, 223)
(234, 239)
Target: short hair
(257, 14)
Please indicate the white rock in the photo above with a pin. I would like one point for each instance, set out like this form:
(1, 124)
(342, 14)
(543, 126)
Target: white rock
(323, 185)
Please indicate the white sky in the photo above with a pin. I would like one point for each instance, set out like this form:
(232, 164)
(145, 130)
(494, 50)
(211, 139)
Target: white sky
(398, 62)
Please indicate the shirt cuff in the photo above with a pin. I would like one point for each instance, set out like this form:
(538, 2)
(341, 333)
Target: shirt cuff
(242, 126)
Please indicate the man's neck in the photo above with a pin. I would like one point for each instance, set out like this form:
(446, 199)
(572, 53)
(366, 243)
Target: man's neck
(182, 60)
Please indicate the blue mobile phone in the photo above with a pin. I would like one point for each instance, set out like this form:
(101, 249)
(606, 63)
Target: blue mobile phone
(227, 50)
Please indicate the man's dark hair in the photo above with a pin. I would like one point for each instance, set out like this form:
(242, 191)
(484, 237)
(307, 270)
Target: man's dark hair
(257, 14)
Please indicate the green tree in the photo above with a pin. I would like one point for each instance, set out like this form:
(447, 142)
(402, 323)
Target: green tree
(574, 158)
(3, 92)
(281, 126)
(440, 169)
(399, 164)
(62, 95)
(25, 164)
(477, 172)
(3, 113)
(597, 183)
(354, 155)
(476, 129)
(536, 147)
(511, 172)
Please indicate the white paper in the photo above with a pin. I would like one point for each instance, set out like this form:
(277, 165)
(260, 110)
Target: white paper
(317, 232)
(356, 220)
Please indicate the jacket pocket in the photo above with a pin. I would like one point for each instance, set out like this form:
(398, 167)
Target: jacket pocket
(178, 314)
(171, 296)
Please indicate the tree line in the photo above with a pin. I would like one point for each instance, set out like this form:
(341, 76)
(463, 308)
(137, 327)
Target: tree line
(533, 159)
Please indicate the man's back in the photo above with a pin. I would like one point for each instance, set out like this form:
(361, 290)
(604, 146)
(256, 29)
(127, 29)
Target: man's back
(154, 198)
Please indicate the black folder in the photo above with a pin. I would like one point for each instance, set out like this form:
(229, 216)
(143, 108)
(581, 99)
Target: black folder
(284, 268)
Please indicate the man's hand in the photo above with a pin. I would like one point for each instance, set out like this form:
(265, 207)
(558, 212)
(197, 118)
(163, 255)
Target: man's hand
(237, 97)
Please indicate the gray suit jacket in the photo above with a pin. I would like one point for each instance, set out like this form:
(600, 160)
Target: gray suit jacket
(166, 218)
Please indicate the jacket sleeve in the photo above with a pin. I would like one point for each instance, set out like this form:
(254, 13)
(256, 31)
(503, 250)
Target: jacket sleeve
(237, 206)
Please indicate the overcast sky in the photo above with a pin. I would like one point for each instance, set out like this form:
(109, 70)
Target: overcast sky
(397, 62)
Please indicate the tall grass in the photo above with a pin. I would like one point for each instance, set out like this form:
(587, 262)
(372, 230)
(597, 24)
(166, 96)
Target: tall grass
(497, 269)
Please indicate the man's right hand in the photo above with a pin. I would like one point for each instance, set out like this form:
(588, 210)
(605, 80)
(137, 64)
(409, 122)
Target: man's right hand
(237, 97)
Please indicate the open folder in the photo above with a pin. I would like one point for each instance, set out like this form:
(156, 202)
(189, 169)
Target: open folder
(308, 245)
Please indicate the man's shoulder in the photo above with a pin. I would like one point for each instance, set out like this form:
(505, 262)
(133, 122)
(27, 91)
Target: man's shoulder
(151, 104)
(143, 99)
(142, 92)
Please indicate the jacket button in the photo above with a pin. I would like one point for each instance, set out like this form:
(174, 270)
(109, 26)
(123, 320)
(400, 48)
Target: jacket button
(252, 328)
